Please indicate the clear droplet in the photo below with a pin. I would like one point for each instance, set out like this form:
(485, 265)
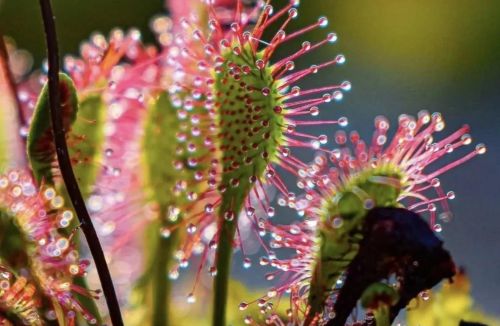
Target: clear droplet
(191, 298)
(165, 232)
(247, 263)
(243, 306)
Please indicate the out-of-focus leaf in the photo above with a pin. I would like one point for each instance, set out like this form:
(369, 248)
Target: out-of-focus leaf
(41, 147)
(11, 147)
(87, 139)
(448, 306)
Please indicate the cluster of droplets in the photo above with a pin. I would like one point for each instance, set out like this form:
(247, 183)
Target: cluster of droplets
(18, 297)
(410, 154)
(238, 106)
(118, 68)
(250, 107)
(40, 214)
(125, 74)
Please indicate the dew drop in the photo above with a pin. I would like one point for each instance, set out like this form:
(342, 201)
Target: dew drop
(4, 285)
(250, 211)
(437, 227)
(235, 27)
(480, 148)
(314, 111)
(229, 215)
(74, 269)
(165, 232)
(294, 229)
(243, 306)
(332, 37)
(260, 64)
(322, 21)
(191, 298)
(62, 243)
(116, 172)
(272, 293)
(466, 139)
(280, 35)
(173, 274)
(346, 85)
(343, 121)
(269, 277)
(337, 95)
(23, 131)
(191, 228)
(425, 295)
(247, 263)
(4, 182)
(292, 13)
(369, 203)
(268, 10)
(209, 208)
(337, 222)
(63, 223)
(340, 59)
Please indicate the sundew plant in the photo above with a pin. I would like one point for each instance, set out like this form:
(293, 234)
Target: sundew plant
(133, 176)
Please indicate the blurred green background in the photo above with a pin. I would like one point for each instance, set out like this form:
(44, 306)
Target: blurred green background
(402, 56)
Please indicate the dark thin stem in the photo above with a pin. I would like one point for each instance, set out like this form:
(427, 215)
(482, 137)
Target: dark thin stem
(67, 170)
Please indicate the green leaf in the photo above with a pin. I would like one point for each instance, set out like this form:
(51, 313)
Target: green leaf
(41, 147)
(251, 131)
(159, 147)
(87, 140)
(339, 245)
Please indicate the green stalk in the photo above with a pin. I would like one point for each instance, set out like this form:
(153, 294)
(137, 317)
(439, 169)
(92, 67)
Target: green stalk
(224, 255)
(382, 316)
(161, 284)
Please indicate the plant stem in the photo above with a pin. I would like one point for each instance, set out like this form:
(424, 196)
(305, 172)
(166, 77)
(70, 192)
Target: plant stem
(382, 316)
(67, 170)
(161, 285)
(224, 255)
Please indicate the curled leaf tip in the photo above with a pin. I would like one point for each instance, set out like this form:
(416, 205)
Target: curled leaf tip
(40, 143)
